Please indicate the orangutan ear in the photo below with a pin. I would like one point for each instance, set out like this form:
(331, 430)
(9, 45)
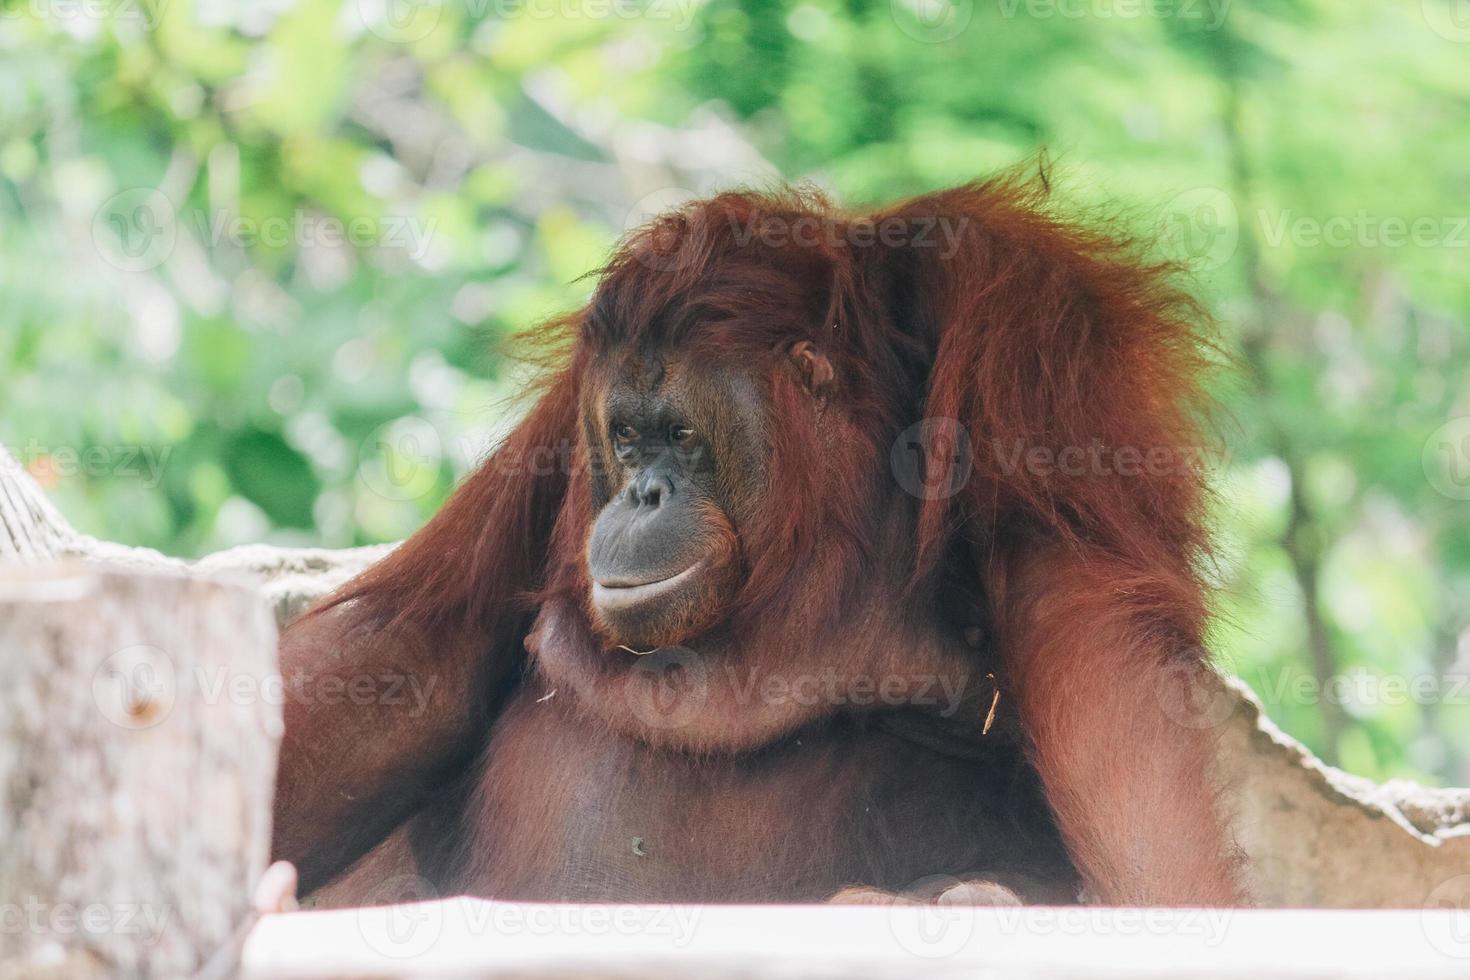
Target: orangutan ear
(816, 370)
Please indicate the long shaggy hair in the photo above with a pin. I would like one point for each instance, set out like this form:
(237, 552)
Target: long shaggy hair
(1050, 378)
(1060, 352)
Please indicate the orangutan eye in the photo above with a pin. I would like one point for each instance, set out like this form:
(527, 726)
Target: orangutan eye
(624, 433)
(682, 435)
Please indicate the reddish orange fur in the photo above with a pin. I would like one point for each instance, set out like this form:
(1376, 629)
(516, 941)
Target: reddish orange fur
(1031, 333)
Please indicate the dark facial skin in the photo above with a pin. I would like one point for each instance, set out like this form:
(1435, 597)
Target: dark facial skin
(676, 443)
(654, 628)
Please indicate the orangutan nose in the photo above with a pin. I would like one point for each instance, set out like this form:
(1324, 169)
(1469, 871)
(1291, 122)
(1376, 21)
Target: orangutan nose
(649, 489)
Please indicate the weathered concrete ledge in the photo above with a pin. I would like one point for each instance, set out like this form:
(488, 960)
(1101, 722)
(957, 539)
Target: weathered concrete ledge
(468, 938)
(1314, 836)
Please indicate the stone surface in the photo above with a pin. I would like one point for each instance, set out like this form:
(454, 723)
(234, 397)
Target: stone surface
(1319, 837)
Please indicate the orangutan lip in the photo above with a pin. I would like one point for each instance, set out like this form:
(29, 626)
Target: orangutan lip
(623, 596)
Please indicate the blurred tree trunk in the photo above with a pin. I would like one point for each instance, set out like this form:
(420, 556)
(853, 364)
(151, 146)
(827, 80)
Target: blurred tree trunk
(137, 763)
(1301, 538)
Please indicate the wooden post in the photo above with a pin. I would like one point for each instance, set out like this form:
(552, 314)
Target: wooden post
(139, 723)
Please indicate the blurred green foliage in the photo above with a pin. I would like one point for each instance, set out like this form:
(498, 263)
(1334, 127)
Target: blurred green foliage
(259, 259)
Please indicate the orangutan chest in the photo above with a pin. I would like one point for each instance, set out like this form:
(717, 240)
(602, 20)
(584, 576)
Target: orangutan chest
(566, 811)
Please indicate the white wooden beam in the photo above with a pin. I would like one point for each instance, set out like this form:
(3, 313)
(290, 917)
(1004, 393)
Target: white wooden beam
(464, 938)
